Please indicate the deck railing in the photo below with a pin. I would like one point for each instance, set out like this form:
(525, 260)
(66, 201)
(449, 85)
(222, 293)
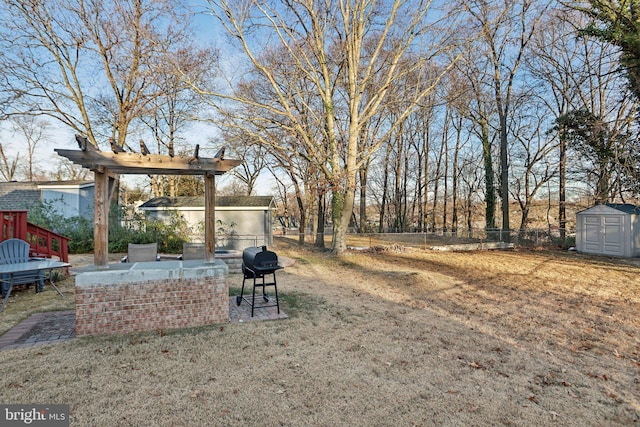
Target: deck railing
(44, 243)
(13, 224)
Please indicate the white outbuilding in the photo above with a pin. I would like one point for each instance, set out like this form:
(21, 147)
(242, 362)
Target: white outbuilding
(609, 229)
(243, 220)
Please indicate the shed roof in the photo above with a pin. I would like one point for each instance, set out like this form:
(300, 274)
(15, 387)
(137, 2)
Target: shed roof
(625, 207)
(622, 207)
(198, 201)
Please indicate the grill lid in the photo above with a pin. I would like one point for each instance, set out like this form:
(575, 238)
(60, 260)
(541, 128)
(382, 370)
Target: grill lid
(259, 258)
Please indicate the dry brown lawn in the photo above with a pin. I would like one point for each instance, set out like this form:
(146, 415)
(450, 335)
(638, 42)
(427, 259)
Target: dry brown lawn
(387, 338)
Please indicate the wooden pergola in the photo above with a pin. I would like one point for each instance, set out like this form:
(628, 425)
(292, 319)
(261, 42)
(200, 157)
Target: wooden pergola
(108, 166)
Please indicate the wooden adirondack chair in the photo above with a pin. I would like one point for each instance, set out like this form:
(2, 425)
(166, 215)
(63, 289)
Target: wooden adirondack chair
(13, 251)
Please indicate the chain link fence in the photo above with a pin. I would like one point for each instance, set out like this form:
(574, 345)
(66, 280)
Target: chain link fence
(529, 237)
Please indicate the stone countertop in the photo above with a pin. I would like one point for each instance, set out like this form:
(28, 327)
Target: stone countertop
(118, 273)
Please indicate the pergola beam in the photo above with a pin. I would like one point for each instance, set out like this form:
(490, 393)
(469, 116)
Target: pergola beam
(152, 164)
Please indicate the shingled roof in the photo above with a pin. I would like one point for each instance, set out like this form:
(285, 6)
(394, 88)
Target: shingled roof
(221, 201)
(19, 195)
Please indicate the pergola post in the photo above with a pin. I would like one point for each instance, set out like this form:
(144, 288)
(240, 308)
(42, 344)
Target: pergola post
(101, 220)
(209, 217)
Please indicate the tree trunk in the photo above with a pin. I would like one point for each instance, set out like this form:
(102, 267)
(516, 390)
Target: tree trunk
(525, 218)
(363, 199)
(504, 173)
(469, 212)
(385, 184)
(454, 177)
(320, 226)
(425, 219)
(343, 202)
(446, 183)
(405, 196)
(420, 190)
(602, 186)
(342, 207)
(436, 182)
(172, 186)
(490, 192)
(562, 189)
(303, 220)
(397, 188)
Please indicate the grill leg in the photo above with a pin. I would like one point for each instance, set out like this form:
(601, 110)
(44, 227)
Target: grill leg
(265, 296)
(275, 289)
(239, 299)
(253, 299)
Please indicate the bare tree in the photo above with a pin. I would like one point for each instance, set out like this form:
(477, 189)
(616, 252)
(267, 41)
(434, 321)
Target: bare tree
(254, 161)
(8, 166)
(579, 82)
(175, 104)
(533, 165)
(468, 94)
(355, 44)
(34, 132)
(470, 187)
(462, 138)
(86, 64)
(506, 28)
(556, 64)
(66, 170)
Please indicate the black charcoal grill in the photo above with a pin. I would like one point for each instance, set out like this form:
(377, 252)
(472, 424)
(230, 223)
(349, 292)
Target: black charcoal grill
(258, 262)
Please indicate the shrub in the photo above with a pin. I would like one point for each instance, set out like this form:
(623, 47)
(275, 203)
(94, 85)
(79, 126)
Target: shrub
(137, 229)
(78, 229)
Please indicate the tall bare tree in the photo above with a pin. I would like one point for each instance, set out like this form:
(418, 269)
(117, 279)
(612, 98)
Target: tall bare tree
(533, 164)
(470, 96)
(556, 62)
(8, 165)
(506, 28)
(33, 131)
(86, 64)
(254, 160)
(343, 50)
(66, 170)
(579, 82)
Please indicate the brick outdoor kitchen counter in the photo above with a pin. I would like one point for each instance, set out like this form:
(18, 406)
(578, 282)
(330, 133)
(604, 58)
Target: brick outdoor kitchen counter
(148, 296)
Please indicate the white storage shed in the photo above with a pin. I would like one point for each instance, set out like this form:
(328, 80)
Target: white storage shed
(249, 218)
(610, 229)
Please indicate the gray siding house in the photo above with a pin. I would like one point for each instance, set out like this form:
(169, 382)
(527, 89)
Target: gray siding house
(241, 221)
(67, 198)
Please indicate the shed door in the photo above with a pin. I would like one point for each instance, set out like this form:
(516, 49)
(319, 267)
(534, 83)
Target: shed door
(613, 235)
(604, 234)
